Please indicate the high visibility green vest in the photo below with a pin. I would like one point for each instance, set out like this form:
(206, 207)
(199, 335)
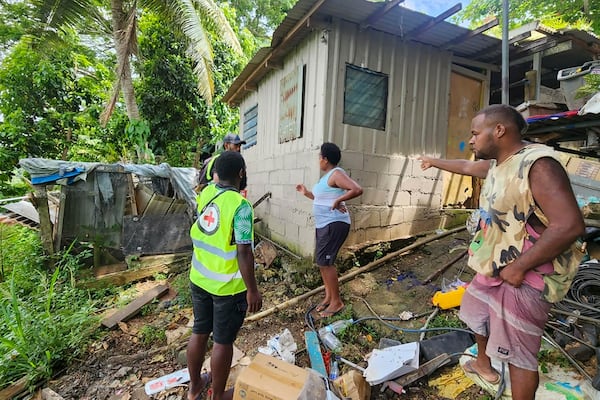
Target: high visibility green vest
(209, 168)
(214, 260)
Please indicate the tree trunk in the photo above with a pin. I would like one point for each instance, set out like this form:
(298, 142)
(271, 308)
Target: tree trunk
(121, 28)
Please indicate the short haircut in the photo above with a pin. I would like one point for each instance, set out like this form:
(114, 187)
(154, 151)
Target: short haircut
(331, 152)
(229, 164)
(505, 114)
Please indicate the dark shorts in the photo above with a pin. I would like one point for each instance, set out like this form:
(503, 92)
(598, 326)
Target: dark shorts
(221, 315)
(329, 241)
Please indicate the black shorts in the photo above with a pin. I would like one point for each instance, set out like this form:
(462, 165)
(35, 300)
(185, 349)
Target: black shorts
(329, 241)
(221, 315)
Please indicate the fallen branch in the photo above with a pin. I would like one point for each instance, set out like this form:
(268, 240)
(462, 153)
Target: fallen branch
(352, 274)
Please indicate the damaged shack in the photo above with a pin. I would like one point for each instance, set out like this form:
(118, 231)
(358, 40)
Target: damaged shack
(120, 212)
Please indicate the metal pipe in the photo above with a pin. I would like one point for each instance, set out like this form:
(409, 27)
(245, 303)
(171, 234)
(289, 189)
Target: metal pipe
(568, 357)
(505, 77)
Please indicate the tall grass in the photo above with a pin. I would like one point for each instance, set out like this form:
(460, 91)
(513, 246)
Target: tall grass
(45, 321)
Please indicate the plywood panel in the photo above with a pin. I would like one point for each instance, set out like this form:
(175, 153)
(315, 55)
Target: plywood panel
(465, 102)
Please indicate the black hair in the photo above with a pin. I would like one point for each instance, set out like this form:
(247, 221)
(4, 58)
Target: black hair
(331, 152)
(229, 164)
(502, 113)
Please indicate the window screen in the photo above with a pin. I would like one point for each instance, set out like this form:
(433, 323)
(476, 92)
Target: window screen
(365, 97)
(250, 127)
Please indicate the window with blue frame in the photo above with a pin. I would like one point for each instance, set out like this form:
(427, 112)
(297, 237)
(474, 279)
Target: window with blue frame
(250, 126)
(365, 97)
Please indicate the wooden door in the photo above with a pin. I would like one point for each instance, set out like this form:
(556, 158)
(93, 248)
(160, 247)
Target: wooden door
(465, 102)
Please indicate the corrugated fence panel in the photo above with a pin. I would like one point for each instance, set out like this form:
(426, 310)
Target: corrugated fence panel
(417, 112)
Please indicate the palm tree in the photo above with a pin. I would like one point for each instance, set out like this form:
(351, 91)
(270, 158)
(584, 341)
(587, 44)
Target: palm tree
(194, 17)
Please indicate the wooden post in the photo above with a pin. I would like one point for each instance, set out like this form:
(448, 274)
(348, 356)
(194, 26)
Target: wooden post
(41, 200)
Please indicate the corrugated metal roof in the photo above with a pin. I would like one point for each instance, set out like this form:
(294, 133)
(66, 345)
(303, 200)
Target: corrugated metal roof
(399, 21)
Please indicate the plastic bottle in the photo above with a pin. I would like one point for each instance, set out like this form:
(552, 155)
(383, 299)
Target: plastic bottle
(338, 326)
(334, 371)
(329, 339)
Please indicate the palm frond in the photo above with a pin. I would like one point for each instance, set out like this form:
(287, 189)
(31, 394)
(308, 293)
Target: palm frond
(200, 49)
(213, 16)
(54, 14)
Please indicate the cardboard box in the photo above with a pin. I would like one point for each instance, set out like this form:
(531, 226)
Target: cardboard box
(269, 378)
(584, 168)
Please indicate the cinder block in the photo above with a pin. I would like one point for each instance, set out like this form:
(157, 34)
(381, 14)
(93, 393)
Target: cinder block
(391, 182)
(375, 163)
(355, 237)
(366, 217)
(352, 161)
(377, 234)
(391, 216)
(374, 197)
(365, 179)
(400, 166)
(277, 225)
(399, 198)
(290, 161)
(400, 231)
(432, 200)
(291, 232)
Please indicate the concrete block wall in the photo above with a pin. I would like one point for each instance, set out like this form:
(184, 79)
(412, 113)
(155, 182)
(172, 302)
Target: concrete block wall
(399, 199)
(287, 216)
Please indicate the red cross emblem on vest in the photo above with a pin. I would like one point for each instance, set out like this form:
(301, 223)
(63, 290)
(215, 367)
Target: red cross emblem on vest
(209, 219)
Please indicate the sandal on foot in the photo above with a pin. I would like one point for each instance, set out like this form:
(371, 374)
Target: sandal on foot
(468, 368)
(206, 380)
(330, 313)
(321, 307)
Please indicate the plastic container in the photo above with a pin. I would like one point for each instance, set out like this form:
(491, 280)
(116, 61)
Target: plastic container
(329, 340)
(571, 79)
(338, 326)
(448, 299)
(334, 371)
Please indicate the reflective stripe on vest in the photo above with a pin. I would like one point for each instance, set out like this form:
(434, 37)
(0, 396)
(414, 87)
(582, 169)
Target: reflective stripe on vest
(226, 255)
(215, 276)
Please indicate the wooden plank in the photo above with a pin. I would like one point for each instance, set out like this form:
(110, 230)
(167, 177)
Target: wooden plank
(314, 352)
(13, 390)
(131, 195)
(41, 202)
(134, 307)
(174, 264)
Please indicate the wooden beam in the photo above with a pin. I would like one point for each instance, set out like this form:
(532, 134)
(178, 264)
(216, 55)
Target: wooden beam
(379, 13)
(472, 63)
(529, 27)
(134, 307)
(430, 24)
(559, 48)
(40, 197)
(463, 38)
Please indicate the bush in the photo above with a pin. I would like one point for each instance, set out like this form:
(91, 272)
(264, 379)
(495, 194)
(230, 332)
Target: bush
(45, 320)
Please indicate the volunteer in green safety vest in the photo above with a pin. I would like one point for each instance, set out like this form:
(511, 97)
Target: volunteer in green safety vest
(222, 284)
(231, 142)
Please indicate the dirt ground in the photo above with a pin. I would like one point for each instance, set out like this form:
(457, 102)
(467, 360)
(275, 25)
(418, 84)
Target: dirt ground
(119, 363)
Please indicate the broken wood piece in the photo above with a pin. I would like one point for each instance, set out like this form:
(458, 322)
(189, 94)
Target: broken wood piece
(13, 390)
(265, 253)
(297, 257)
(140, 269)
(49, 394)
(134, 307)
